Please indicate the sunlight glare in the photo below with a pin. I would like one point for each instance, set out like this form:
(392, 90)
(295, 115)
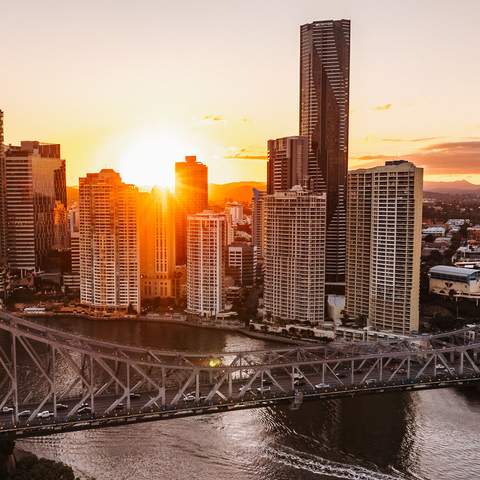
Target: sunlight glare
(149, 159)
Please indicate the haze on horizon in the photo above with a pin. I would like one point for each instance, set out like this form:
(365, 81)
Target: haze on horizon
(135, 87)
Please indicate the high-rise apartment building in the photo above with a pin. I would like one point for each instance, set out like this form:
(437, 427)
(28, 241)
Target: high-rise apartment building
(384, 245)
(287, 163)
(242, 263)
(324, 107)
(109, 246)
(258, 220)
(294, 288)
(191, 196)
(157, 244)
(206, 263)
(235, 210)
(34, 186)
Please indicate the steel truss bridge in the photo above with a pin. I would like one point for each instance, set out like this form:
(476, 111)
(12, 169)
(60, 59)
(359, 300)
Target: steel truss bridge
(86, 383)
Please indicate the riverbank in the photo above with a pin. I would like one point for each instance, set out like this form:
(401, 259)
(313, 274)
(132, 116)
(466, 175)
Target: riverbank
(221, 325)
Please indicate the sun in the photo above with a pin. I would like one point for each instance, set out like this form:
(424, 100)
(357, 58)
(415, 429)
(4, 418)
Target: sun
(149, 158)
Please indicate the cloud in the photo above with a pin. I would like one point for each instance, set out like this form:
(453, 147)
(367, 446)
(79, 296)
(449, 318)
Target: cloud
(447, 158)
(410, 140)
(212, 118)
(243, 154)
(472, 147)
(373, 157)
(382, 108)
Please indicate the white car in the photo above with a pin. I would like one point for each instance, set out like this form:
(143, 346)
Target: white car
(298, 376)
(319, 386)
(263, 389)
(189, 397)
(45, 414)
(6, 410)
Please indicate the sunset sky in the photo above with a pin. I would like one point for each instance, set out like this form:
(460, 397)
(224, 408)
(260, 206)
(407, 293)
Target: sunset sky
(137, 85)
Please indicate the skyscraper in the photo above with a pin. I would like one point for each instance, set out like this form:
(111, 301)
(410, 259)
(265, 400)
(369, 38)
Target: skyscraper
(3, 220)
(384, 245)
(324, 105)
(157, 244)
(294, 288)
(206, 263)
(258, 220)
(109, 251)
(34, 185)
(191, 196)
(287, 163)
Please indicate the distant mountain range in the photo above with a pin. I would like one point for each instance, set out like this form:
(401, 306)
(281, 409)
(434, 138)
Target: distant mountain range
(219, 193)
(455, 187)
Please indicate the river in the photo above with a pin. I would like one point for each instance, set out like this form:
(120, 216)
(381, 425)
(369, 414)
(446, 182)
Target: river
(431, 435)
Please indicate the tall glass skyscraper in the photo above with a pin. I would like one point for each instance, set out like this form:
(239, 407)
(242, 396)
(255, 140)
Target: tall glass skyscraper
(324, 104)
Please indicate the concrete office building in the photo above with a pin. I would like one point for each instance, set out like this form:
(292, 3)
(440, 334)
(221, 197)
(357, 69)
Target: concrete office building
(34, 185)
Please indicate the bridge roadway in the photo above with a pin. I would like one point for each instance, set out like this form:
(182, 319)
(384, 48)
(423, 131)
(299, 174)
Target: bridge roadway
(126, 385)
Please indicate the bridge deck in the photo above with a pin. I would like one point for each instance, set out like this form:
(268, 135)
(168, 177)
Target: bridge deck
(44, 369)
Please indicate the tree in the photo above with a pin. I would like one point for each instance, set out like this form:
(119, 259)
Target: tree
(361, 321)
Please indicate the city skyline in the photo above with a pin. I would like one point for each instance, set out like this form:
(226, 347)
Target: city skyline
(398, 104)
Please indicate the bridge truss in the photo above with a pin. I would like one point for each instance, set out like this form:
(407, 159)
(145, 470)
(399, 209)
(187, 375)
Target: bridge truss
(46, 369)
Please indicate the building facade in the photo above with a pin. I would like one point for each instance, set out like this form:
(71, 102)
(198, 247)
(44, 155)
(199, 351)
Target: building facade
(384, 246)
(34, 186)
(206, 263)
(191, 196)
(109, 245)
(242, 263)
(324, 107)
(157, 244)
(287, 163)
(294, 288)
(258, 222)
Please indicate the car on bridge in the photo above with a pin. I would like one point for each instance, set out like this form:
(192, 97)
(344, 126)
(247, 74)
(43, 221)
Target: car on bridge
(264, 389)
(6, 410)
(45, 414)
(24, 413)
(321, 386)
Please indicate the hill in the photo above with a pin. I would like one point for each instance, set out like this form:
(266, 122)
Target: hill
(218, 194)
(455, 187)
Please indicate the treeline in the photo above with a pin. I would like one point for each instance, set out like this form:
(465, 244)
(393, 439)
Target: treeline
(28, 466)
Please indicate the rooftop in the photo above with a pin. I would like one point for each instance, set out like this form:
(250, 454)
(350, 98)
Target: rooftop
(454, 272)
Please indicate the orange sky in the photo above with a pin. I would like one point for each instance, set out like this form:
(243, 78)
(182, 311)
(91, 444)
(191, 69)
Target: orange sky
(135, 86)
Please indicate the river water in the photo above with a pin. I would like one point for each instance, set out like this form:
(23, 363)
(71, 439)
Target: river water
(430, 435)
